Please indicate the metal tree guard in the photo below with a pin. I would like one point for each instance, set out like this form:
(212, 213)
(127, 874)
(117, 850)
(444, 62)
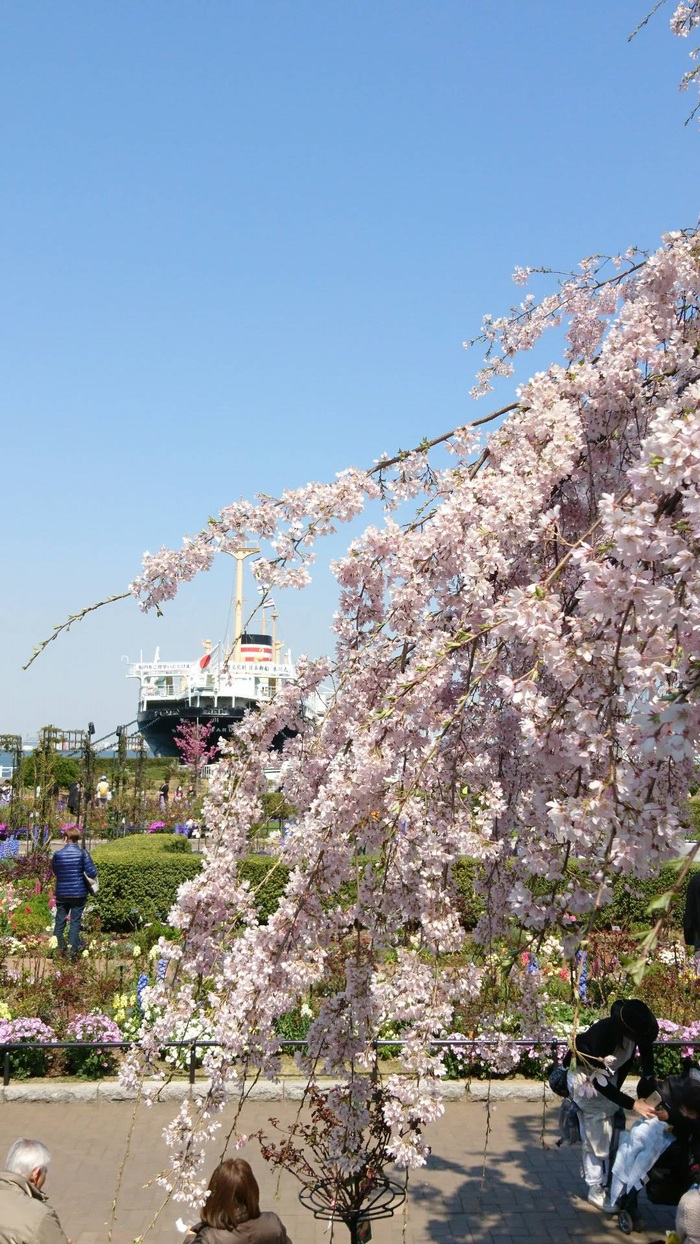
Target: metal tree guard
(353, 1202)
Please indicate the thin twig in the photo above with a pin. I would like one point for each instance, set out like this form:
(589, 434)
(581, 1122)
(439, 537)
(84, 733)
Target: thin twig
(73, 617)
(438, 440)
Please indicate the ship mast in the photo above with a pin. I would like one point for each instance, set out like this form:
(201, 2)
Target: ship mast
(240, 556)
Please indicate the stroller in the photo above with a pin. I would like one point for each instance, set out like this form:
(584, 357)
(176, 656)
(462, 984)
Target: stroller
(648, 1155)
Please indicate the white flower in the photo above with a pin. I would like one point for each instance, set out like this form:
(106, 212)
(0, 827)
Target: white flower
(136, 952)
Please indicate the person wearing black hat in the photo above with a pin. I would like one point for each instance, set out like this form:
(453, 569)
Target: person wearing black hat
(598, 1064)
(691, 915)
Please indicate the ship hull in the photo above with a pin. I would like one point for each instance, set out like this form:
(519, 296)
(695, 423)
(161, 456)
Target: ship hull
(158, 724)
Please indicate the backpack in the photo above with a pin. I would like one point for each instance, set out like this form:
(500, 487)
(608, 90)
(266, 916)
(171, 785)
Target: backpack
(558, 1080)
(569, 1126)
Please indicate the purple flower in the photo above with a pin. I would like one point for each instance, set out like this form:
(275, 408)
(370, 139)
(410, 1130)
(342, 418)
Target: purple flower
(141, 984)
(26, 1028)
(93, 1027)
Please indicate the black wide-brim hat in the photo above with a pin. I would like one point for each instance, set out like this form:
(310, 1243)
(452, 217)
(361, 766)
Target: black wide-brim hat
(636, 1018)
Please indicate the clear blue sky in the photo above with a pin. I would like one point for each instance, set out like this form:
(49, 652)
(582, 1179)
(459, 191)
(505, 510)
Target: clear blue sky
(241, 245)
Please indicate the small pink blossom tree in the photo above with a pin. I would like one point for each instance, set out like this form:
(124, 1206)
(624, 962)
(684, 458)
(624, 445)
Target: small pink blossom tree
(192, 739)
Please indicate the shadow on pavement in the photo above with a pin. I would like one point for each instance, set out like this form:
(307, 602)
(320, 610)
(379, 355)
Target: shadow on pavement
(520, 1191)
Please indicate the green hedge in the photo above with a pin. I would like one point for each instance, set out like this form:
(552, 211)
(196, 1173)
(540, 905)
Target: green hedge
(148, 843)
(140, 876)
(628, 907)
(268, 879)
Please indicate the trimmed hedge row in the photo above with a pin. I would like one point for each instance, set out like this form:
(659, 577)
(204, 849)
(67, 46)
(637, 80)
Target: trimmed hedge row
(268, 880)
(140, 877)
(628, 906)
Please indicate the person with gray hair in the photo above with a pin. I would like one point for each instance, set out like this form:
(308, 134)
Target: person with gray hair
(25, 1214)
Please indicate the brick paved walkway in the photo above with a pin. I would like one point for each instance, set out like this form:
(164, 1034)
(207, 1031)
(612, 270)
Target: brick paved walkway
(529, 1192)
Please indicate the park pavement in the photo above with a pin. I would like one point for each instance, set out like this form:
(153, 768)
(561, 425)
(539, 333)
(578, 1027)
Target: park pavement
(522, 1190)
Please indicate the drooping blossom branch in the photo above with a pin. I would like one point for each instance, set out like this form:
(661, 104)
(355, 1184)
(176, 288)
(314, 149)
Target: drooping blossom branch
(516, 680)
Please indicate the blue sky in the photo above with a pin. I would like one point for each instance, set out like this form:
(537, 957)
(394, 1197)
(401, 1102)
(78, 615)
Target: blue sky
(241, 246)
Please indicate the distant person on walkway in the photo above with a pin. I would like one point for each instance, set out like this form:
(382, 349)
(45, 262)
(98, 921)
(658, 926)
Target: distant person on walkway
(231, 1213)
(73, 803)
(691, 915)
(163, 794)
(102, 793)
(25, 1214)
(598, 1065)
(69, 865)
(179, 794)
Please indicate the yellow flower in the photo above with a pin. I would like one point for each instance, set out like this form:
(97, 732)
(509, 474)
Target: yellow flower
(53, 943)
(86, 954)
(137, 952)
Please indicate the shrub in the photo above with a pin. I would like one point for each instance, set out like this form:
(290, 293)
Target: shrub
(31, 916)
(627, 908)
(469, 904)
(148, 844)
(294, 1025)
(140, 877)
(268, 880)
(631, 899)
(147, 937)
(28, 1061)
(92, 1064)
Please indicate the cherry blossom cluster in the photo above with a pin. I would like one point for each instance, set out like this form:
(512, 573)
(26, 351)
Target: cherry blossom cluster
(686, 19)
(515, 679)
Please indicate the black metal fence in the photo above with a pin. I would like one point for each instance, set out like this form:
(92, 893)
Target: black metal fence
(459, 1047)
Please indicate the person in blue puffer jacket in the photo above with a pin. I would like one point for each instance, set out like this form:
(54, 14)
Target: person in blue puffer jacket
(70, 864)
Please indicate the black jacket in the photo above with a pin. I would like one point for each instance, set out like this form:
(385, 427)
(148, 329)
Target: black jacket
(691, 915)
(685, 1129)
(603, 1038)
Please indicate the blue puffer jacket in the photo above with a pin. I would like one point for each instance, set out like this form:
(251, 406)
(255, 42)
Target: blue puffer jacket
(69, 864)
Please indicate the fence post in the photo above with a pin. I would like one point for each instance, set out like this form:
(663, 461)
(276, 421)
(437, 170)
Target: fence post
(193, 1060)
(5, 1068)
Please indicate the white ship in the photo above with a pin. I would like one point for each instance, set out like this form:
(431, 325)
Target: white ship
(219, 687)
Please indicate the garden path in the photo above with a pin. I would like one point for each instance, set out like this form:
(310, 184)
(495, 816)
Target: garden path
(529, 1193)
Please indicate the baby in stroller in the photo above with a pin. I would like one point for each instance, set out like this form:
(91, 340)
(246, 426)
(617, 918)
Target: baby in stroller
(661, 1153)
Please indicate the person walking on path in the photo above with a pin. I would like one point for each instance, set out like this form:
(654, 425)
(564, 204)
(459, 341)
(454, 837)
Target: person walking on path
(73, 804)
(25, 1214)
(70, 865)
(163, 794)
(598, 1064)
(103, 794)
